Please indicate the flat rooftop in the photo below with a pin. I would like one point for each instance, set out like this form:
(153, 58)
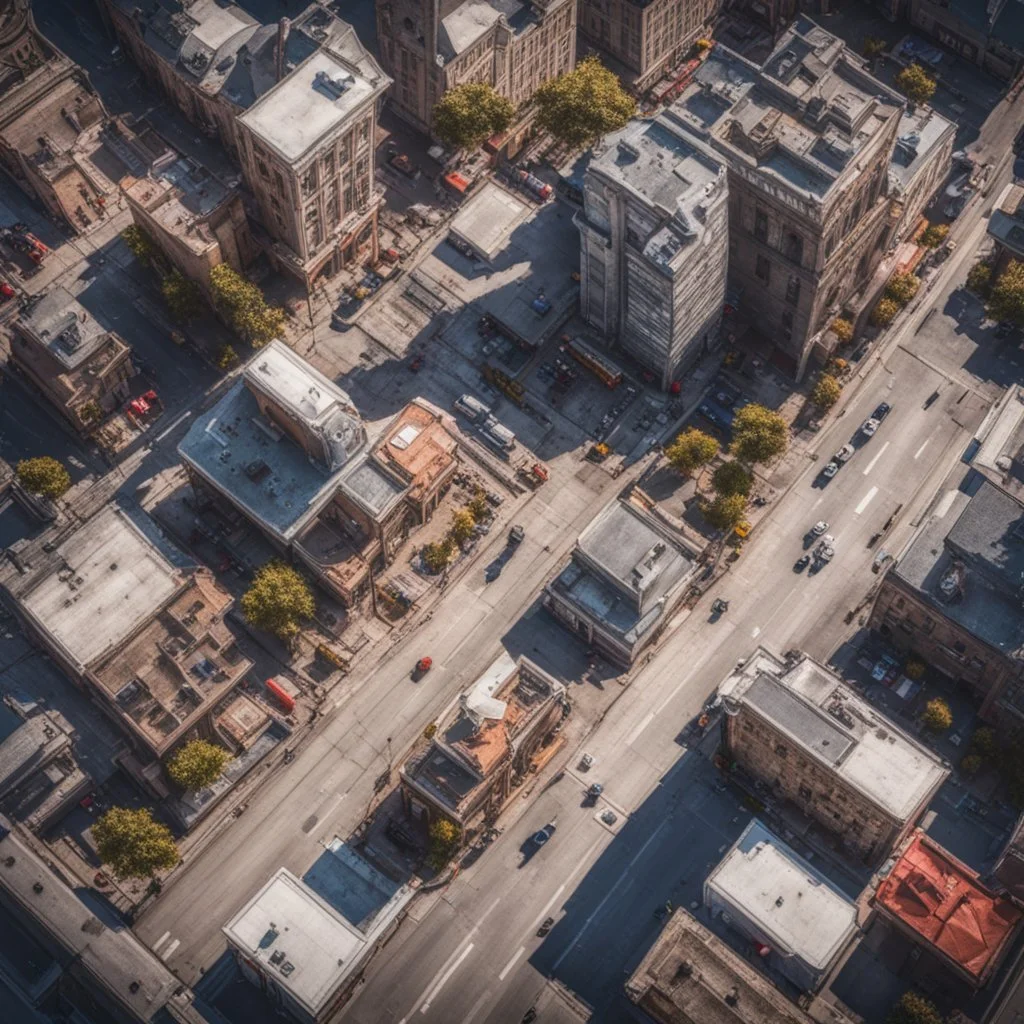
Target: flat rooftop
(317, 98)
(918, 135)
(1006, 222)
(487, 221)
(787, 900)
(63, 325)
(418, 446)
(108, 580)
(829, 722)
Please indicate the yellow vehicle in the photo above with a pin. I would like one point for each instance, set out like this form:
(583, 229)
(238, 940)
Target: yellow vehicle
(742, 529)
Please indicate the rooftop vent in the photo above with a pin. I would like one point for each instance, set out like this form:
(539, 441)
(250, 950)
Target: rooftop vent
(627, 151)
(335, 87)
(951, 586)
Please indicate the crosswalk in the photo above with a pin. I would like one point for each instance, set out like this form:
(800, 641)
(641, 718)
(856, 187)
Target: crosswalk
(167, 951)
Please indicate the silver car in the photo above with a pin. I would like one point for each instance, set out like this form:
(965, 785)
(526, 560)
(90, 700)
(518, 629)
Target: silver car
(869, 426)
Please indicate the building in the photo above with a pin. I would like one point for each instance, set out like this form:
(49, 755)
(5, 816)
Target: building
(1006, 225)
(484, 743)
(305, 942)
(431, 46)
(941, 905)
(294, 103)
(690, 976)
(63, 960)
(626, 575)
(80, 367)
(654, 236)
(1008, 871)
(953, 596)
(807, 138)
(646, 38)
(772, 15)
(799, 729)
(798, 922)
(143, 635)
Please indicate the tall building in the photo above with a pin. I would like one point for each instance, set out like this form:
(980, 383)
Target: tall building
(430, 46)
(646, 36)
(655, 245)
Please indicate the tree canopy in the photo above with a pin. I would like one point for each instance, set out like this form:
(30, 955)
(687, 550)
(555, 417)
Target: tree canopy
(1006, 300)
(758, 434)
(183, 297)
(901, 288)
(278, 600)
(463, 524)
(914, 1009)
(884, 312)
(470, 113)
(44, 476)
(445, 837)
(133, 844)
(691, 450)
(826, 391)
(437, 555)
(579, 107)
(197, 764)
(732, 478)
(244, 307)
(842, 329)
(725, 511)
(937, 715)
(915, 83)
(139, 243)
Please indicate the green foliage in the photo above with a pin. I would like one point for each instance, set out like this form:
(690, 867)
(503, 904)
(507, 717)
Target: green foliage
(826, 391)
(902, 288)
(436, 556)
(470, 113)
(934, 235)
(278, 600)
(725, 511)
(979, 278)
(227, 357)
(732, 478)
(445, 837)
(691, 450)
(463, 525)
(703, 45)
(133, 844)
(140, 244)
(914, 668)
(937, 716)
(430, 731)
(913, 1009)
(971, 764)
(884, 313)
(1006, 300)
(983, 742)
(244, 307)
(581, 106)
(90, 412)
(759, 434)
(183, 297)
(479, 506)
(873, 47)
(915, 83)
(43, 476)
(197, 764)
(843, 330)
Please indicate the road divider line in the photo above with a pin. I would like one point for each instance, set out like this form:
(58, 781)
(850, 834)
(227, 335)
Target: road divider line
(181, 419)
(644, 722)
(920, 451)
(475, 1009)
(169, 951)
(871, 464)
(444, 978)
(159, 942)
(508, 967)
(865, 501)
(547, 906)
(755, 632)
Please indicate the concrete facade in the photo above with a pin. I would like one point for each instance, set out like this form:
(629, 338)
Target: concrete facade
(430, 46)
(990, 35)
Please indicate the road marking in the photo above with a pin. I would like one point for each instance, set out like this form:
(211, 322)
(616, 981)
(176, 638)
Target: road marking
(181, 419)
(444, 978)
(508, 967)
(871, 464)
(547, 906)
(917, 454)
(169, 951)
(817, 503)
(635, 734)
(756, 632)
(476, 1006)
(159, 942)
(597, 910)
(865, 501)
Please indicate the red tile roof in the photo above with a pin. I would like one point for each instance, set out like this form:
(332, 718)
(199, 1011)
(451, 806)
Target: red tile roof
(941, 900)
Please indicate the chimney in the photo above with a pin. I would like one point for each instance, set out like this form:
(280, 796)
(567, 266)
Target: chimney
(283, 27)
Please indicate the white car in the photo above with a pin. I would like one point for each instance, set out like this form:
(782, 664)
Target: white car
(844, 454)
(830, 470)
(869, 426)
(819, 528)
(826, 548)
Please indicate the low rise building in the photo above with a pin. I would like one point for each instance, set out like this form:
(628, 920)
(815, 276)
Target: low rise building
(485, 743)
(690, 976)
(802, 731)
(626, 575)
(942, 906)
(797, 920)
(80, 367)
(1006, 226)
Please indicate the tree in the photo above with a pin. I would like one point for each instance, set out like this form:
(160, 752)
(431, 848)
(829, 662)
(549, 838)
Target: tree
(1006, 301)
(139, 243)
(915, 83)
(937, 716)
(470, 113)
(843, 330)
(901, 288)
(915, 668)
(227, 357)
(758, 434)
(244, 306)
(732, 478)
(133, 844)
(691, 450)
(183, 297)
(197, 764)
(983, 742)
(463, 525)
(884, 313)
(479, 505)
(278, 600)
(90, 412)
(873, 47)
(445, 837)
(934, 235)
(436, 556)
(725, 511)
(43, 476)
(979, 278)
(579, 107)
(826, 391)
(913, 1009)
(971, 764)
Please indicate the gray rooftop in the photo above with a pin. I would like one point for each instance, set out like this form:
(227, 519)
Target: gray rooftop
(61, 323)
(487, 221)
(917, 136)
(32, 745)
(372, 487)
(1006, 222)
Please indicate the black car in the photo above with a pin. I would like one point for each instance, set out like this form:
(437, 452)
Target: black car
(882, 411)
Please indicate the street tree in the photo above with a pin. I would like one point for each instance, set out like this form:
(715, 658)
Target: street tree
(759, 434)
(725, 511)
(579, 107)
(934, 235)
(463, 524)
(139, 243)
(732, 478)
(826, 392)
(901, 288)
(44, 476)
(914, 1009)
(197, 764)
(884, 312)
(445, 837)
(278, 600)
(437, 555)
(873, 47)
(470, 113)
(479, 506)
(691, 450)
(937, 716)
(183, 297)
(243, 306)
(1006, 300)
(843, 330)
(915, 83)
(133, 844)
(979, 278)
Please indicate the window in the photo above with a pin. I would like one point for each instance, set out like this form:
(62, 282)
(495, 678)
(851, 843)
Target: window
(805, 793)
(960, 647)
(262, 168)
(781, 750)
(763, 269)
(793, 290)
(794, 247)
(761, 226)
(787, 325)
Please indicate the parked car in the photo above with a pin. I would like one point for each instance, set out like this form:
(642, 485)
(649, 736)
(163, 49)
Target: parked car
(516, 534)
(542, 836)
(801, 563)
(869, 426)
(830, 470)
(826, 549)
(881, 412)
(844, 454)
(819, 528)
